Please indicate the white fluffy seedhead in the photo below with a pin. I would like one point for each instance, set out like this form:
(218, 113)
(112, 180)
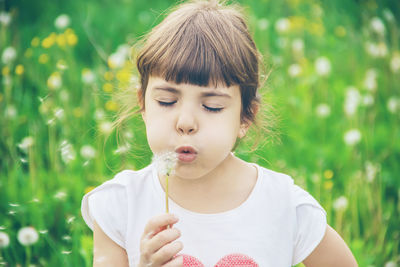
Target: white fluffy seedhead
(165, 162)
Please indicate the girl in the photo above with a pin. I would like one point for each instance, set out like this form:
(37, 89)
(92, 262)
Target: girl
(198, 96)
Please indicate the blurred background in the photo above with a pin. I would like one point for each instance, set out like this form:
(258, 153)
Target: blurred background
(334, 86)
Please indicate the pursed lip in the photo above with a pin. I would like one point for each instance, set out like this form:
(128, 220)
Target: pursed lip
(186, 154)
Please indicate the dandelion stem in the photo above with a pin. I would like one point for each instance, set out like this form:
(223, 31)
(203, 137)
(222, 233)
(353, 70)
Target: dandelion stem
(166, 193)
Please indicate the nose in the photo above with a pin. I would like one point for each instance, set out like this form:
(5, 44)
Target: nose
(186, 122)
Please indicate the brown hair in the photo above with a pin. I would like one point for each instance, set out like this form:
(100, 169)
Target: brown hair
(203, 42)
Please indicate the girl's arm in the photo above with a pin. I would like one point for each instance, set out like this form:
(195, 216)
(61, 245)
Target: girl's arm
(105, 251)
(331, 252)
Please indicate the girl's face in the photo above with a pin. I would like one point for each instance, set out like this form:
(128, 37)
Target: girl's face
(200, 123)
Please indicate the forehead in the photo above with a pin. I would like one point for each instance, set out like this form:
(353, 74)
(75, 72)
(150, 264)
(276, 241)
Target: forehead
(157, 84)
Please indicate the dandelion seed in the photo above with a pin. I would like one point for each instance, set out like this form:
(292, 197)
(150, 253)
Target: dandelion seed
(12, 212)
(2, 227)
(388, 15)
(35, 200)
(340, 204)
(67, 152)
(323, 110)
(23, 160)
(128, 134)
(294, 70)
(323, 66)
(59, 113)
(70, 219)
(61, 64)
(4, 240)
(88, 152)
(13, 204)
(61, 195)
(43, 232)
(9, 55)
(122, 149)
(352, 100)
(66, 252)
(117, 59)
(26, 143)
(5, 18)
(352, 137)
(27, 236)
(66, 237)
(165, 164)
(62, 21)
(282, 25)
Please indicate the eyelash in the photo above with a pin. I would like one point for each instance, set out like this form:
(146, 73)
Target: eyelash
(168, 104)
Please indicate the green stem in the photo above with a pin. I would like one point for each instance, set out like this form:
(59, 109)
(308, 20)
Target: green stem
(28, 255)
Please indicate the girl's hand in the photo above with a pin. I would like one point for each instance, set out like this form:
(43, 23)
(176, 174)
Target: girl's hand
(157, 246)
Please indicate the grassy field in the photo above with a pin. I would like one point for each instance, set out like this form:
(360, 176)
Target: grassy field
(333, 88)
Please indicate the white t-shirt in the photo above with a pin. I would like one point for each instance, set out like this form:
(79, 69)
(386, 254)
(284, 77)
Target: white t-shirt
(278, 225)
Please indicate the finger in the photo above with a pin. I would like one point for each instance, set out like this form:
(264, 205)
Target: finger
(162, 238)
(157, 223)
(166, 253)
(175, 262)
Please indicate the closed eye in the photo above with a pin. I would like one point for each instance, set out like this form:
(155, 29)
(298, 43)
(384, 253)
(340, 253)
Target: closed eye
(166, 104)
(210, 109)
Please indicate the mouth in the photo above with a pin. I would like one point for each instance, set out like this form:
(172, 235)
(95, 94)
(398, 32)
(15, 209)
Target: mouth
(186, 153)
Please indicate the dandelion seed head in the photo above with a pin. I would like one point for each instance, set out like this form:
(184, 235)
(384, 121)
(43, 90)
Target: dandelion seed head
(88, 76)
(62, 21)
(70, 219)
(54, 81)
(11, 112)
(4, 240)
(298, 46)
(67, 152)
(166, 162)
(368, 100)
(395, 63)
(390, 264)
(340, 204)
(27, 236)
(9, 55)
(88, 152)
(377, 25)
(282, 25)
(294, 70)
(26, 143)
(323, 110)
(106, 127)
(322, 66)
(5, 18)
(352, 100)
(371, 170)
(393, 104)
(352, 137)
(263, 24)
(60, 195)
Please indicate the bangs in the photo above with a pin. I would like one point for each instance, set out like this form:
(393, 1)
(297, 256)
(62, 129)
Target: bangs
(193, 59)
(199, 48)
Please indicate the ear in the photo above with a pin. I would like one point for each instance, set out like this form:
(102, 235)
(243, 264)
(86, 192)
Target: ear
(244, 127)
(140, 99)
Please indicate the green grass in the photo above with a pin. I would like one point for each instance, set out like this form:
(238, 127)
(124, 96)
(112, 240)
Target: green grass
(42, 185)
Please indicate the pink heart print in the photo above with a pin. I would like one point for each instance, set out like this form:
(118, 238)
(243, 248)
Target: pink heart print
(231, 260)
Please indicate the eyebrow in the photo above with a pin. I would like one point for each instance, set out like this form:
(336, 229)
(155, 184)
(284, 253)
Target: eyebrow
(203, 94)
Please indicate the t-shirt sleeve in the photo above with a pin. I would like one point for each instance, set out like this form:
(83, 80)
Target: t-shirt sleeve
(310, 224)
(107, 205)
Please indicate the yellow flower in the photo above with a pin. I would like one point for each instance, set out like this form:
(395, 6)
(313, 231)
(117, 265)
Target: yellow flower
(61, 40)
(108, 75)
(297, 22)
(35, 42)
(71, 37)
(123, 76)
(316, 28)
(5, 71)
(49, 40)
(28, 52)
(328, 185)
(340, 31)
(328, 174)
(43, 58)
(54, 81)
(19, 69)
(111, 105)
(89, 188)
(108, 87)
(77, 112)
